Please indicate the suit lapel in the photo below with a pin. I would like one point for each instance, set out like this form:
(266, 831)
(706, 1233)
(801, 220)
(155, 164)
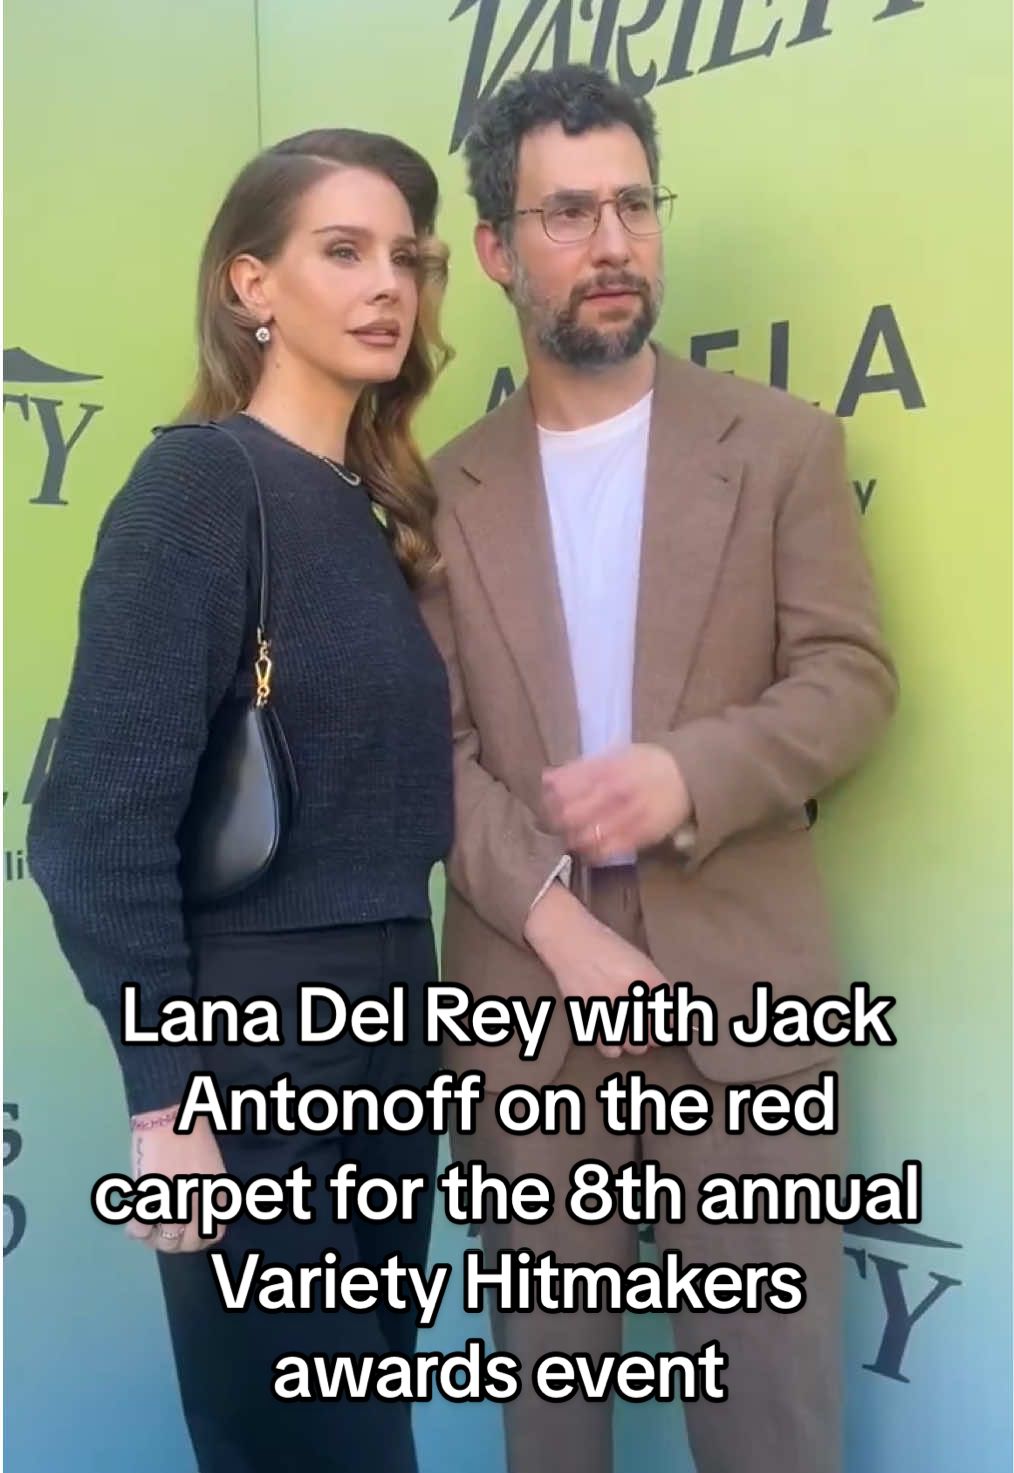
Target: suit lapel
(692, 486)
(506, 524)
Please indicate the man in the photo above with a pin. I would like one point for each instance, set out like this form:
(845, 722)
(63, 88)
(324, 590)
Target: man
(663, 644)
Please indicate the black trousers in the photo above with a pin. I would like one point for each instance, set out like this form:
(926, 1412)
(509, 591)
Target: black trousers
(224, 1359)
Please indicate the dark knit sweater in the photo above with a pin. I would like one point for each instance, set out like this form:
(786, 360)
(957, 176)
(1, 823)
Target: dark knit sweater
(359, 687)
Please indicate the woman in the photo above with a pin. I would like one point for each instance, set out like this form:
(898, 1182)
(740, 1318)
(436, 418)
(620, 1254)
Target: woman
(319, 289)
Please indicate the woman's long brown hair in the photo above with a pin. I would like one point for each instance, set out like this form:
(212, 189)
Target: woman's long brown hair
(255, 219)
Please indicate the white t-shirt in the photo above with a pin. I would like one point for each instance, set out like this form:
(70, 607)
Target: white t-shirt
(594, 480)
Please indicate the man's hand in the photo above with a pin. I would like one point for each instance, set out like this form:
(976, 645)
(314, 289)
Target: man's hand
(617, 803)
(586, 958)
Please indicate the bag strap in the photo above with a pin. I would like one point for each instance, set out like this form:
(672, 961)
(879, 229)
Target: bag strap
(261, 640)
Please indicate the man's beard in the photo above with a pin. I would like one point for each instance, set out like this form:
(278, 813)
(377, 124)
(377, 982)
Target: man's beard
(559, 333)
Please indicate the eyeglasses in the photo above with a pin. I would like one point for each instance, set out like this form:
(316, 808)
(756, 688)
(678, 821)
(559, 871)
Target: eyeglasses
(573, 215)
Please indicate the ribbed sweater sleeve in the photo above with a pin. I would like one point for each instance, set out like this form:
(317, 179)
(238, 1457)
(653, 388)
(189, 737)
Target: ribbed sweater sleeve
(161, 626)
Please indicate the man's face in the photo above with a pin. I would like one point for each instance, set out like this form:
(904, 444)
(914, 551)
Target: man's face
(587, 302)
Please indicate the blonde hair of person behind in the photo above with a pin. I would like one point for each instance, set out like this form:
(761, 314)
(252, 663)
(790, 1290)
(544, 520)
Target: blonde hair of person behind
(255, 219)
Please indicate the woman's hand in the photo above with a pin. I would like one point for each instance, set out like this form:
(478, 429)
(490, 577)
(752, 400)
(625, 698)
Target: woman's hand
(156, 1149)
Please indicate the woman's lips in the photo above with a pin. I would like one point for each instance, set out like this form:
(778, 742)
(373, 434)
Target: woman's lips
(377, 337)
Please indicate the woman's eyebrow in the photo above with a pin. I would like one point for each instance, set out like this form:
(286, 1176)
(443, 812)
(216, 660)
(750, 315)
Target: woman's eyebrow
(359, 232)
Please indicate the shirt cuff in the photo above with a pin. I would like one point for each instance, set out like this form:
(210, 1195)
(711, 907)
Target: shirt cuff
(562, 872)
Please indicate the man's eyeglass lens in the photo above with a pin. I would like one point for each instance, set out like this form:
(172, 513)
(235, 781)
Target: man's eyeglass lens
(577, 219)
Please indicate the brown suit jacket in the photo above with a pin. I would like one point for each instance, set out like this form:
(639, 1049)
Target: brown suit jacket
(759, 664)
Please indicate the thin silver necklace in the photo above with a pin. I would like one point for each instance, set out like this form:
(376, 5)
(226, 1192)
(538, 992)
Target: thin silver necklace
(350, 477)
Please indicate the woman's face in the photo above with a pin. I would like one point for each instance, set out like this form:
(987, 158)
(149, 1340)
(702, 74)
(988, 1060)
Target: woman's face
(343, 293)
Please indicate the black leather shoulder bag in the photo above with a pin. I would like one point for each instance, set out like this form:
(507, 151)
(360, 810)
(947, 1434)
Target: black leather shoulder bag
(245, 794)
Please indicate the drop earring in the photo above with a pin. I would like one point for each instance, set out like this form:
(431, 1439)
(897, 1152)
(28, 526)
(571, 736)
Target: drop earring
(263, 334)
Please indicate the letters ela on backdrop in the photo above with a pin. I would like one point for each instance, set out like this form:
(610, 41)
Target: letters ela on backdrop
(881, 363)
(666, 38)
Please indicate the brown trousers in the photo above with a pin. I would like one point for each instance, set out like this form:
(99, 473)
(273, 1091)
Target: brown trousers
(783, 1412)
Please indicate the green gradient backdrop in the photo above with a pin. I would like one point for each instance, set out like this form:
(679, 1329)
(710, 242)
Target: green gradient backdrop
(867, 168)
